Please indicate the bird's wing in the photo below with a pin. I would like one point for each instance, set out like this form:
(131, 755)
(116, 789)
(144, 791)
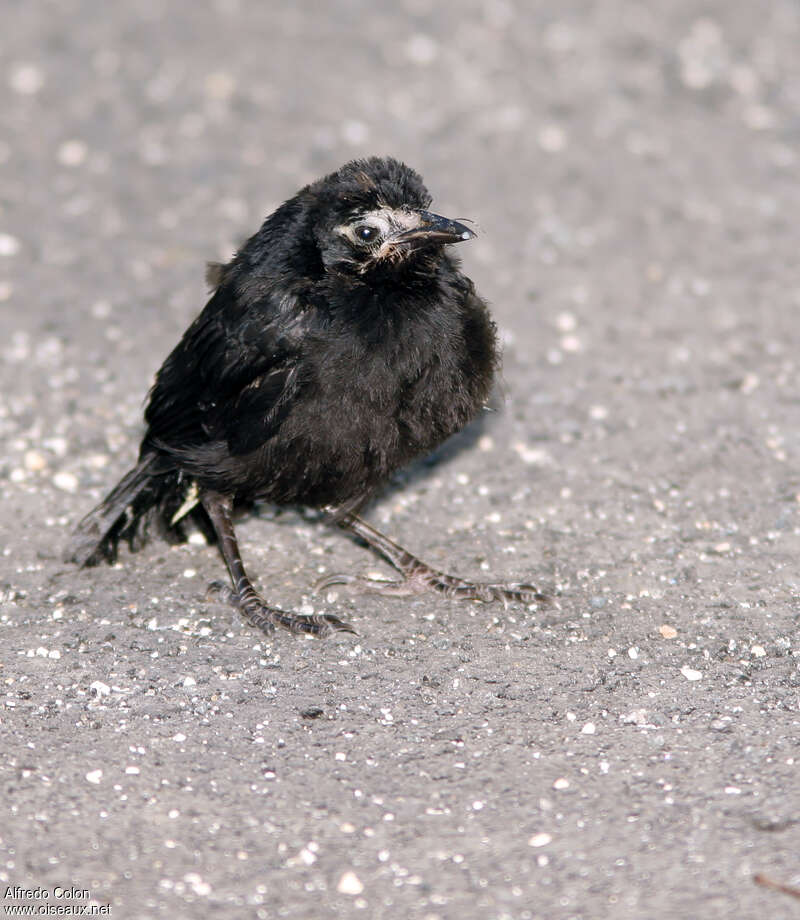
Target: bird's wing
(230, 376)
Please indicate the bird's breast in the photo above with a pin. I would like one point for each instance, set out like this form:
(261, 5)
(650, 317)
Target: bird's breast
(361, 409)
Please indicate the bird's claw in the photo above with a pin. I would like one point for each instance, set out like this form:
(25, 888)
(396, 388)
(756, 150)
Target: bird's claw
(267, 618)
(488, 593)
(426, 579)
(219, 591)
(360, 583)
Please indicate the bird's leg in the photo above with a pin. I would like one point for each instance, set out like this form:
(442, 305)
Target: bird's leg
(244, 595)
(417, 576)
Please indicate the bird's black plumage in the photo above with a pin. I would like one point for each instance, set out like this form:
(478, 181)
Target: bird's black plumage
(339, 343)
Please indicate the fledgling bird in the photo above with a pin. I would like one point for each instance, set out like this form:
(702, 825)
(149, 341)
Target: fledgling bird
(339, 343)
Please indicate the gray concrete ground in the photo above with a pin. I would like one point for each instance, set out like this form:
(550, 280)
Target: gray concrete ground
(630, 752)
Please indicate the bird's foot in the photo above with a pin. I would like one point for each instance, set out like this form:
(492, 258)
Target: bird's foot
(417, 576)
(422, 578)
(266, 618)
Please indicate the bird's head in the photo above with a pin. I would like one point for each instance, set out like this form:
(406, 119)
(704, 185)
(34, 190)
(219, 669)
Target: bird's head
(371, 216)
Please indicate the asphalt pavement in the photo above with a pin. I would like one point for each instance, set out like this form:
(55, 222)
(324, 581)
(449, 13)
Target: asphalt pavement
(630, 751)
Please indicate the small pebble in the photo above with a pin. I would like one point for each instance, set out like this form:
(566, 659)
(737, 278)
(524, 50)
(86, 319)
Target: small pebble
(72, 153)
(198, 886)
(67, 482)
(690, 673)
(94, 776)
(26, 79)
(552, 138)
(668, 632)
(355, 132)
(350, 883)
(571, 344)
(540, 840)
(59, 446)
(749, 383)
(422, 49)
(531, 455)
(566, 322)
(9, 245)
(34, 461)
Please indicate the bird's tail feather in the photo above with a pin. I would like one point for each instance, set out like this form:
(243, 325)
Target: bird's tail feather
(144, 496)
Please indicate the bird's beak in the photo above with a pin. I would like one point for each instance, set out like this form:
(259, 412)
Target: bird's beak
(434, 230)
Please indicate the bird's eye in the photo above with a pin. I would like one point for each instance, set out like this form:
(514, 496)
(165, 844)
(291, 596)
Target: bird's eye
(365, 233)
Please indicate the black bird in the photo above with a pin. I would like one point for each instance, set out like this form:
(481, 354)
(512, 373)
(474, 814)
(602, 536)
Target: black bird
(339, 343)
